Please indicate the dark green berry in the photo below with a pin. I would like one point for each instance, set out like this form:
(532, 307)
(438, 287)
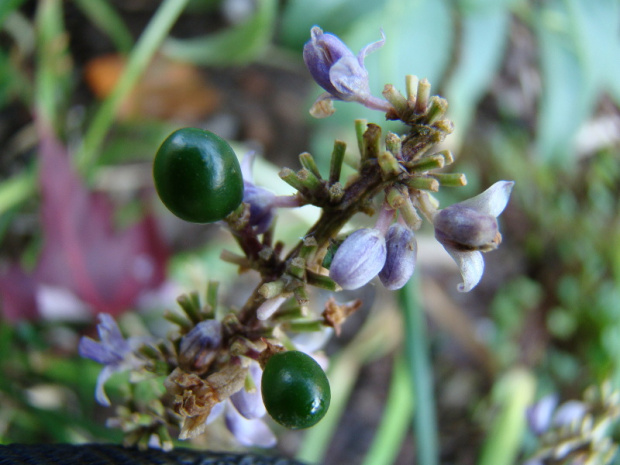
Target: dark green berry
(197, 176)
(295, 389)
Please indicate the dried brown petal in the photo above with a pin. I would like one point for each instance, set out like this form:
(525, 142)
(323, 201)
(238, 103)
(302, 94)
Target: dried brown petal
(335, 314)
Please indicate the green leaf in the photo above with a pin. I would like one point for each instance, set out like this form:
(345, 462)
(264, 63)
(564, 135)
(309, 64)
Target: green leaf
(53, 75)
(101, 13)
(482, 43)
(16, 190)
(8, 6)
(419, 38)
(240, 44)
(513, 393)
(567, 97)
(140, 57)
(594, 27)
(396, 418)
(335, 16)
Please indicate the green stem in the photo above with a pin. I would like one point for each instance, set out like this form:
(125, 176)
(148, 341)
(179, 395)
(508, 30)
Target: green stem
(139, 59)
(374, 340)
(418, 358)
(513, 393)
(396, 417)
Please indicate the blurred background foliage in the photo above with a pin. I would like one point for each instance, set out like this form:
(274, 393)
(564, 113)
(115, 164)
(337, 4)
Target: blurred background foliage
(534, 91)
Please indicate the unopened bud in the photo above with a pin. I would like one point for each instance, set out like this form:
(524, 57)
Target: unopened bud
(402, 249)
(465, 229)
(199, 347)
(360, 257)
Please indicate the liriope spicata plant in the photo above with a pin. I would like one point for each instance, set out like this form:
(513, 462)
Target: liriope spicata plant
(221, 359)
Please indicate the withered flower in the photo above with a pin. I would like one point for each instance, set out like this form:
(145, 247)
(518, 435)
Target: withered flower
(194, 397)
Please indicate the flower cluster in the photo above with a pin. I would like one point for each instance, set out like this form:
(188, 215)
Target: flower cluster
(212, 364)
(465, 229)
(575, 431)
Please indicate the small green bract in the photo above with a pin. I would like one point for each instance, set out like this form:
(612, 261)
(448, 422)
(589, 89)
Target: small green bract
(295, 389)
(197, 176)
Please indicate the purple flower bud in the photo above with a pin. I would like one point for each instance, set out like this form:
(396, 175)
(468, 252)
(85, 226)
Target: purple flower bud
(570, 412)
(359, 258)
(402, 249)
(466, 229)
(539, 414)
(269, 307)
(470, 227)
(337, 70)
(322, 52)
(198, 348)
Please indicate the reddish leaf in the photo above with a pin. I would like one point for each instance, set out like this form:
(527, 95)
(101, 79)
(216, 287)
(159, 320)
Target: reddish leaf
(82, 253)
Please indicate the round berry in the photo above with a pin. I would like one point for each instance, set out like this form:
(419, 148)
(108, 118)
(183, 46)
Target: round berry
(197, 176)
(295, 389)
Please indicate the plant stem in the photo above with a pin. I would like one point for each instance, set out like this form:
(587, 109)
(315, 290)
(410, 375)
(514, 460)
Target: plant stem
(396, 417)
(139, 59)
(374, 340)
(416, 347)
(512, 393)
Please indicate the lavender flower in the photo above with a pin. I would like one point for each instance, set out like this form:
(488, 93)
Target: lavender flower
(337, 70)
(359, 258)
(402, 249)
(470, 227)
(114, 352)
(243, 412)
(539, 415)
(261, 201)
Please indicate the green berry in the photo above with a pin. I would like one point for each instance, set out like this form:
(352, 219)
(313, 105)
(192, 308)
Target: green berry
(197, 176)
(295, 389)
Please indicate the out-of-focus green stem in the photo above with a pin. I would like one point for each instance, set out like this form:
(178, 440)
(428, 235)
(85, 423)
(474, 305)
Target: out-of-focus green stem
(342, 376)
(396, 417)
(8, 6)
(52, 64)
(416, 347)
(16, 189)
(103, 15)
(376, 339)
(140, 57)
(513, 393)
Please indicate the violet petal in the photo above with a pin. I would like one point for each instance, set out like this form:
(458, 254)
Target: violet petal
(249, 432)
(359, 258)
(400, 263)
(492, 201)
